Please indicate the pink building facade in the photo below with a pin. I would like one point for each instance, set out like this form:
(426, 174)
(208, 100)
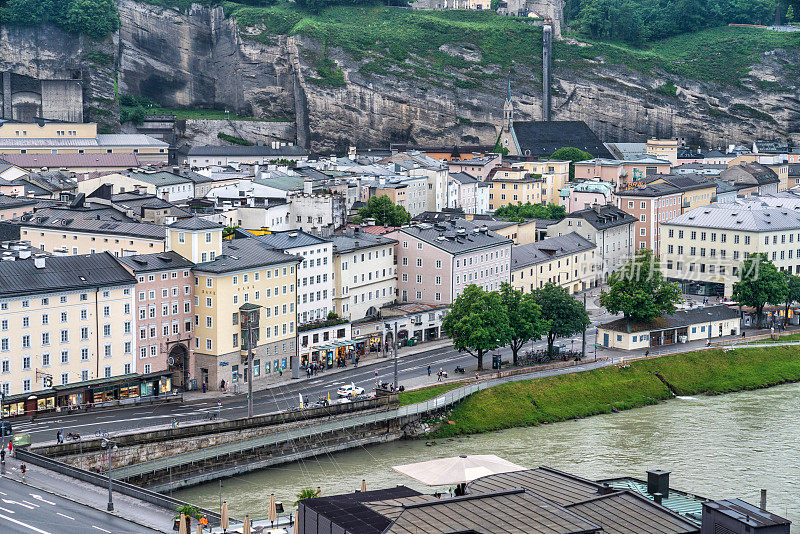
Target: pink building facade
(436, 262)
(622, 173)
(164, 314)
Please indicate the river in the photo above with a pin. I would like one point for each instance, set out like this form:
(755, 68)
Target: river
(723, 446)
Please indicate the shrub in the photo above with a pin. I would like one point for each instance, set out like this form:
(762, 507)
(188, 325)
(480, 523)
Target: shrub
(667, 89)
(233, 139)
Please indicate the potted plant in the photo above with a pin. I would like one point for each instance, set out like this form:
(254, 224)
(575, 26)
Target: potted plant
(189, 511)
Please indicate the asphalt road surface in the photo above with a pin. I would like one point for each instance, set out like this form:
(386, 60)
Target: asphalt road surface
(27, 510)
(412, 370)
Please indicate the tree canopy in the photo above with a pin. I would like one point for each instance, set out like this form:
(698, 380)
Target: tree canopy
(95, 18)
(760, 283)
(518, 212)
(636, 21)
(792, 291)
(385, 212)
(564, 314)
(524, 318)
(572, 154)
(477, 322)
(639, 291)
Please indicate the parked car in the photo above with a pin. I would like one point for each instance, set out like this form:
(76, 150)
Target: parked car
(350, 390)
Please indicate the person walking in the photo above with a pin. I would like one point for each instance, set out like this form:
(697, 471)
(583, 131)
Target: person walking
(429, 370)
(59, 437)
(22, 469)
(3, 455)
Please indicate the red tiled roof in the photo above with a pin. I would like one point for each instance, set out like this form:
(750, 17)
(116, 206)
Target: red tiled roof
(57, 161)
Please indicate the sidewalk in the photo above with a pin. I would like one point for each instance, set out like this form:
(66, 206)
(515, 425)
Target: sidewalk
(78, 491)
(365, 361)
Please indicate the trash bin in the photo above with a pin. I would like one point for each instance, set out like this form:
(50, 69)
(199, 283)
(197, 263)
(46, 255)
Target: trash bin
(411, 342)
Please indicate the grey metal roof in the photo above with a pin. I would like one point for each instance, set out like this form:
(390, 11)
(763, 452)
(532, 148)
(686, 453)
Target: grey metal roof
(651, 190)
(552, 248)
(629, 513)
(143, 263)
(745, 512)
(684, 182)
(158, 178)
(542, 138)
(291, 239)
(556, 486)
(13, 202)
(751, 215)
(343, 244)
(603, 217)
(750, 173)
(679, 319)
(245, 253)
(74, 222)
(195, 223)
(454, 237)
(243, 151)
(130, 140)
(508, 511)
(61, 273)
(463, 177)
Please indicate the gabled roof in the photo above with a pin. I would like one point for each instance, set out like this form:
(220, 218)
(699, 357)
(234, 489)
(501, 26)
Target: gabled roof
(454, 237)
(603, 217)
(161, 261)
(651, 190)
(750, 173)
(245, 151)
(75, 222)
(679, 319)
(751, 215)
(462, 178)
(625, 512)
(343, 244)
(523, 256)
(62, 273)
(542, 138)
(245, 253)
(158, 178)
(291, 239)
(195, 223)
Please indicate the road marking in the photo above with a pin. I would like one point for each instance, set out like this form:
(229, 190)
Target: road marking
(102, 529)
(1, 493)
(6, 510)
(62, 515)
(40, 531)
(9, 501)
(32, 504)
(316, 381)
(40, 498)
(142, 413)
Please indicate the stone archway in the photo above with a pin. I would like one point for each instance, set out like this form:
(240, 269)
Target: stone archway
(178, 361)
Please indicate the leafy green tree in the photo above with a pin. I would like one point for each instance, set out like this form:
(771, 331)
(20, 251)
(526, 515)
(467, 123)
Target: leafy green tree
(524, 318)
(572, 154)
(477, 322)
(385, 212)
(790, 14)
(95, 18)
(565, 314)
(792, 290)
(519, 212)
(760, 283)
(306, 493)
(639, 291)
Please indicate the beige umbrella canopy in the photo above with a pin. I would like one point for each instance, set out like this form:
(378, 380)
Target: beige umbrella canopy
(457, 470)
(363, 485)
(272, 513)
(224, 521)
(199, 528)
(246, 526)
(182, 525)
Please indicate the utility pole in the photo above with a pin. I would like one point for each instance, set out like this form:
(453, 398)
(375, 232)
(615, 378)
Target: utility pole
(110, 446)
(583, 346)
(394, 341)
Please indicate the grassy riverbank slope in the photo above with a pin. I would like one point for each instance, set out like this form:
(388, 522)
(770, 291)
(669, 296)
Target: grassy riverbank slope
(558, 398)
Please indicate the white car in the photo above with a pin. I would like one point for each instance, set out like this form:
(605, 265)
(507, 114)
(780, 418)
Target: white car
(350, 390)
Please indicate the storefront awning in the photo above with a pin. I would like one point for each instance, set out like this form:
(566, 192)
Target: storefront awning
(332, 346)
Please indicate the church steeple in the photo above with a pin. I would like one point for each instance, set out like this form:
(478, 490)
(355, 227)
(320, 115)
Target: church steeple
(508, 107)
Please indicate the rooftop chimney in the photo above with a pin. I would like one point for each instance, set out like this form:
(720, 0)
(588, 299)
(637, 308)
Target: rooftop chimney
(658, 482)
(39, 262)
(764, 500)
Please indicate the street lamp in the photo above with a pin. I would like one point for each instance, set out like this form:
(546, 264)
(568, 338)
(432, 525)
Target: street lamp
(112, 447)
(250, 314)
(394, 345)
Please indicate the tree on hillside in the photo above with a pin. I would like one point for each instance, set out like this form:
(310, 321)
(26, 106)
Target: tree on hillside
(564, 314)
(792, 291)
(639, 291)
(760, 283)
(95, 18)
(790, 14)
(572, 154)
(524, 318)
(519, 212)
(477, 322)
(385, 212)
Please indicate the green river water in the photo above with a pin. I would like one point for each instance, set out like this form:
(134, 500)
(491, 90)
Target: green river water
(723, 446)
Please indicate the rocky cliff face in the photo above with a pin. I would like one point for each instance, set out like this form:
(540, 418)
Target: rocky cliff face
(202, 59)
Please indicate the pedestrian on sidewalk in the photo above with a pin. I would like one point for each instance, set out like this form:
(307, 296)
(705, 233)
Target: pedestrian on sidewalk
(429, 370)
(3, 455)
(59, 436)
(22, 469)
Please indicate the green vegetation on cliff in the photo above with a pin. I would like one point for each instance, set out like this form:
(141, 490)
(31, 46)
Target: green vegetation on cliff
(558, 398)
(95, 18)
(420, 44)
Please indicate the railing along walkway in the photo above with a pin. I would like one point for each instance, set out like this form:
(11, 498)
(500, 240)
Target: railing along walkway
(413, 410)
